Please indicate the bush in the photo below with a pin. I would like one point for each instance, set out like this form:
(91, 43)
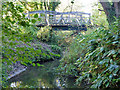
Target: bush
(95, 58)
(19, 40)
(44, 34)
(56, 49)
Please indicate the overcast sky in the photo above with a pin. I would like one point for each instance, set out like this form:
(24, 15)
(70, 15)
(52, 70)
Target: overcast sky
(79, 5)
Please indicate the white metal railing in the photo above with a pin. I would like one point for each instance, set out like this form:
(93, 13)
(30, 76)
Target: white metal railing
(61, 18)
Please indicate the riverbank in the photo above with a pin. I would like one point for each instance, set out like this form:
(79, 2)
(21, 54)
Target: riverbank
(42, 77)
(17, 68)
(52, 50)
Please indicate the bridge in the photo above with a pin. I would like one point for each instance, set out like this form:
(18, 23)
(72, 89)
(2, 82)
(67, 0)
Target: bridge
(60, 20)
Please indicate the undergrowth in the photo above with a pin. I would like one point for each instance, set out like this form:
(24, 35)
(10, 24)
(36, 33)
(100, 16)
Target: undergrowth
(94, 58)
(20, 41)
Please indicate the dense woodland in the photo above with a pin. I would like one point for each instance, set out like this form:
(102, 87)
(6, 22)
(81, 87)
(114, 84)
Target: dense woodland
(91, 56)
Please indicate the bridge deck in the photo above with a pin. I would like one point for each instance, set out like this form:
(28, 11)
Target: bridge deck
(65, 27)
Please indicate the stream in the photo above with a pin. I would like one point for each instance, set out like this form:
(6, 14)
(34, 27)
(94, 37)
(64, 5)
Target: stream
(42, 77)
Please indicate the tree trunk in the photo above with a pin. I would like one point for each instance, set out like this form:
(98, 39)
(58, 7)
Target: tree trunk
(111, 10)
(117, 8)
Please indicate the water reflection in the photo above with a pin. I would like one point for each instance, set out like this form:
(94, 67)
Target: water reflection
(42, 77)
(15, 84)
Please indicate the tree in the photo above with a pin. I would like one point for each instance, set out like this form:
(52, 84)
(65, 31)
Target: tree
(111, 9)
(46, 5)
(99, 16)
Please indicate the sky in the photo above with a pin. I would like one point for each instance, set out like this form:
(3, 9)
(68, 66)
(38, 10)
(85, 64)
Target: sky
(79, 5)
(86, 5)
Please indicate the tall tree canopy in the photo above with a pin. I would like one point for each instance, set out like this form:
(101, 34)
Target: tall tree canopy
(46, 5)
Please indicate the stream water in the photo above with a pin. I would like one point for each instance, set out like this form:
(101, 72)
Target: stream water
(42, 77)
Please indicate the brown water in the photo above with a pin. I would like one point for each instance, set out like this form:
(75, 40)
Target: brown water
(42, 77)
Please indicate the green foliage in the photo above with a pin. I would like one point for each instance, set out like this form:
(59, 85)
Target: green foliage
(44, 34)
(36, 16)
(62, 38)
(98, 17)
(19, 40)
(95, 58)
(33, 6)
(56, 49)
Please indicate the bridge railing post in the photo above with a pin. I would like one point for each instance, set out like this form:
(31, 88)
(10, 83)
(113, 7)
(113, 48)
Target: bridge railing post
(28, 15)
(55, 18)
(89, 18)
(46, 18)
(59, 18)
(39, 15)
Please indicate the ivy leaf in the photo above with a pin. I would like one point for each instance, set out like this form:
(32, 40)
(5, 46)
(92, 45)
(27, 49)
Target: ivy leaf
(23, 15)
(33, 64)
(39, 19)
(39, 64)
(13, 22)
(23, 23)
(8, 17)
(114, 55)
(20, 9)
(36, 16)
(33, 20)
(43, 54)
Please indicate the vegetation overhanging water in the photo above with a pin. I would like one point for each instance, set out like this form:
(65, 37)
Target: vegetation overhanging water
(93, 57)
(42, 77)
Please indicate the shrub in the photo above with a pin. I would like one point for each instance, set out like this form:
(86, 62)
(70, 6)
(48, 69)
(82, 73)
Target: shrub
(56, 49)
(19, 39)
(44, 34)
(95, 58)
